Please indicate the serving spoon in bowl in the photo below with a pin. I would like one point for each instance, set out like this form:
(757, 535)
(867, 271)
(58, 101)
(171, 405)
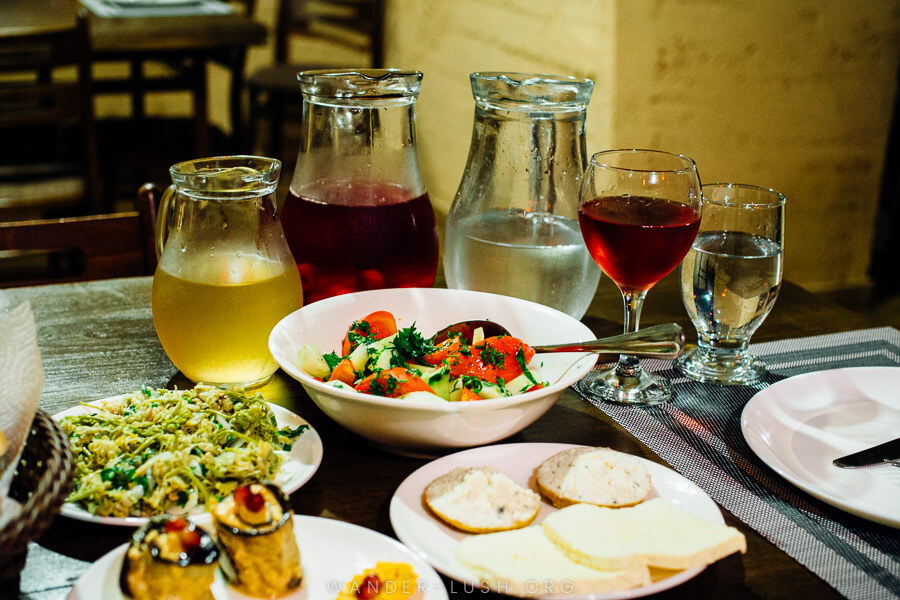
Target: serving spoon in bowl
(660, 341)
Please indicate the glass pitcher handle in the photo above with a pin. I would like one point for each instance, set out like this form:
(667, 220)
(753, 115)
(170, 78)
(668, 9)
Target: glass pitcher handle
(162, 219)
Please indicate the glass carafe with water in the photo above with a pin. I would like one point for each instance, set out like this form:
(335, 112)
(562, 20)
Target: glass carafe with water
(513, 226)
(357, 216)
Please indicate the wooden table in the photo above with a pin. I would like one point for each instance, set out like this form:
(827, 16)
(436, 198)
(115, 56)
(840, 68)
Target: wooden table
(192, 40)
(97, 340)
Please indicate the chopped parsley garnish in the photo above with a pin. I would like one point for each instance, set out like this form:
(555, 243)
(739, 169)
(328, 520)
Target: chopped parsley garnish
(490, 356)
(360, 333)
(397, 360)
(410, 344)
(520, 358)
(384, 388)
(473, 383)
(331, 359)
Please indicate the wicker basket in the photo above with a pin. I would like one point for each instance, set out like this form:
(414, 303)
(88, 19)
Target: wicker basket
(42, 482)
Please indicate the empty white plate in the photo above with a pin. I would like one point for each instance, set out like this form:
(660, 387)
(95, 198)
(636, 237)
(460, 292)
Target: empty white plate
(799, 425)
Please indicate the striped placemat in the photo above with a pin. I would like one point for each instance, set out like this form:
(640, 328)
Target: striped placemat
(699, 434)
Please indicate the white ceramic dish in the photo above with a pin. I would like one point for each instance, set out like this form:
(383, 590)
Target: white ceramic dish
(799, 425)
(435, 541)
(305, 458)
(331, 553)
(426, 427)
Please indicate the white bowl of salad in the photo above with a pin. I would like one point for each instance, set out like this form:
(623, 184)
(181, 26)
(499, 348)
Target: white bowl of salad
(368, 360)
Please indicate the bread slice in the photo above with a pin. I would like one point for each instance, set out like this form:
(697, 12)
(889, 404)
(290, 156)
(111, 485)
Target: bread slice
(525, 563)
(600, 476)
(654, 533)
(481, 500)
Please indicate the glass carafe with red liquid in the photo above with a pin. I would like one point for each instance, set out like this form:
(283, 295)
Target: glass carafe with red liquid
(357, 216)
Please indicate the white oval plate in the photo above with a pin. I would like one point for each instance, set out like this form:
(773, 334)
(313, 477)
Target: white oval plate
(799, 425)
(435, 541)
(305, 458)
(331, 552)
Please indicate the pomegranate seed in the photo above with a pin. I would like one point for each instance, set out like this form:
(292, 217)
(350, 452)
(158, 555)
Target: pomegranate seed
(174, 525)
(369, 587)
(255, 502)
(190, 540)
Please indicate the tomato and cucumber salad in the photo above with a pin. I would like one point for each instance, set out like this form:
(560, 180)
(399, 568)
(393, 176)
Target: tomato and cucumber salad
(378, 358)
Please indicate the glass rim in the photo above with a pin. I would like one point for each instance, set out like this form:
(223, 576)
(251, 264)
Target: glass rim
(534, 90)
(778, 199)
(689, 164)
(360, 83)
(261, 175)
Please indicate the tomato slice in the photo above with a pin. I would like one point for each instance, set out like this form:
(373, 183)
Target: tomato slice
(375, 326)
(468, 395)
(492, 359)
(446, 348)
(393, 383)
(343, 371)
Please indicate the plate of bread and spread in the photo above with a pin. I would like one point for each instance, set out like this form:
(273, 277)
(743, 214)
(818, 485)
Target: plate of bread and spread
(560, 521)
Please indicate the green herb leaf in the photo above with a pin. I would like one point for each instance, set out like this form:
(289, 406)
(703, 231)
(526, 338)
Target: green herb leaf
(473, 383)
(331, 359)
(491, 356)
(411, 345)
(292, 433)
(520, 358)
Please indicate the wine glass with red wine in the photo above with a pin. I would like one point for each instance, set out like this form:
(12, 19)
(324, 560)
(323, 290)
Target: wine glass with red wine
(639, 214)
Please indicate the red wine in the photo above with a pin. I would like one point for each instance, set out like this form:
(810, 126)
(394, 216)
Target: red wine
(355, 236)
(637, 240)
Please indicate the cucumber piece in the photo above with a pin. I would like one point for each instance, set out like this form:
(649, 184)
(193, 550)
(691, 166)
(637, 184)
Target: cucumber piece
(380, 353)
(439, 380)
(519, 384)
(489, 391)
(422, 397)
(311, 361)
(358, 357)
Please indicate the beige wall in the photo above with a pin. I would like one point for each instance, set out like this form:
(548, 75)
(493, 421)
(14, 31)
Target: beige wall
(791, 95)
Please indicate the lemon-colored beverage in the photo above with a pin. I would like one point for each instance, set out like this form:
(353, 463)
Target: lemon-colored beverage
(214, 321)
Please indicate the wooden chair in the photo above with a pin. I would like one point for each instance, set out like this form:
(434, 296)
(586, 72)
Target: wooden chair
(188, 74)
(104, 246)
(48, 159)
(356, 25)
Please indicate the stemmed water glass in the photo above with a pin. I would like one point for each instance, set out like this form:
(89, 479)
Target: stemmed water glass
(730, 280)
(639, 214)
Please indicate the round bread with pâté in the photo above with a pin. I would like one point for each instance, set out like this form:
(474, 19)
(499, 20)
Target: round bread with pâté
(599, 476)
(481, 500)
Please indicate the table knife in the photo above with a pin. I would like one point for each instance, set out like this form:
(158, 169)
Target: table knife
(875, 455)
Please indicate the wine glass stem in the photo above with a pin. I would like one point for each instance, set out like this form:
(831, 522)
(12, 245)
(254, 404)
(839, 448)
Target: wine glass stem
(630, 366)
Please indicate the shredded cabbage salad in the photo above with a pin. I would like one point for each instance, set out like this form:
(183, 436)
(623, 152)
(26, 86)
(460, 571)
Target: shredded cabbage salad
(155, 451)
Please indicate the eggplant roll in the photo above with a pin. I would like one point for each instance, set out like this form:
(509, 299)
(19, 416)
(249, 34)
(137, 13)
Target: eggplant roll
(256, 531)
(169, 559)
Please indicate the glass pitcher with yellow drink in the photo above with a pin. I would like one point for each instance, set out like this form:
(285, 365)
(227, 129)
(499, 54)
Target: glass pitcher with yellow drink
(225, 274)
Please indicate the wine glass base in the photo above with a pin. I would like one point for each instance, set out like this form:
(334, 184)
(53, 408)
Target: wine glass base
(642, 389)
(725, 368)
